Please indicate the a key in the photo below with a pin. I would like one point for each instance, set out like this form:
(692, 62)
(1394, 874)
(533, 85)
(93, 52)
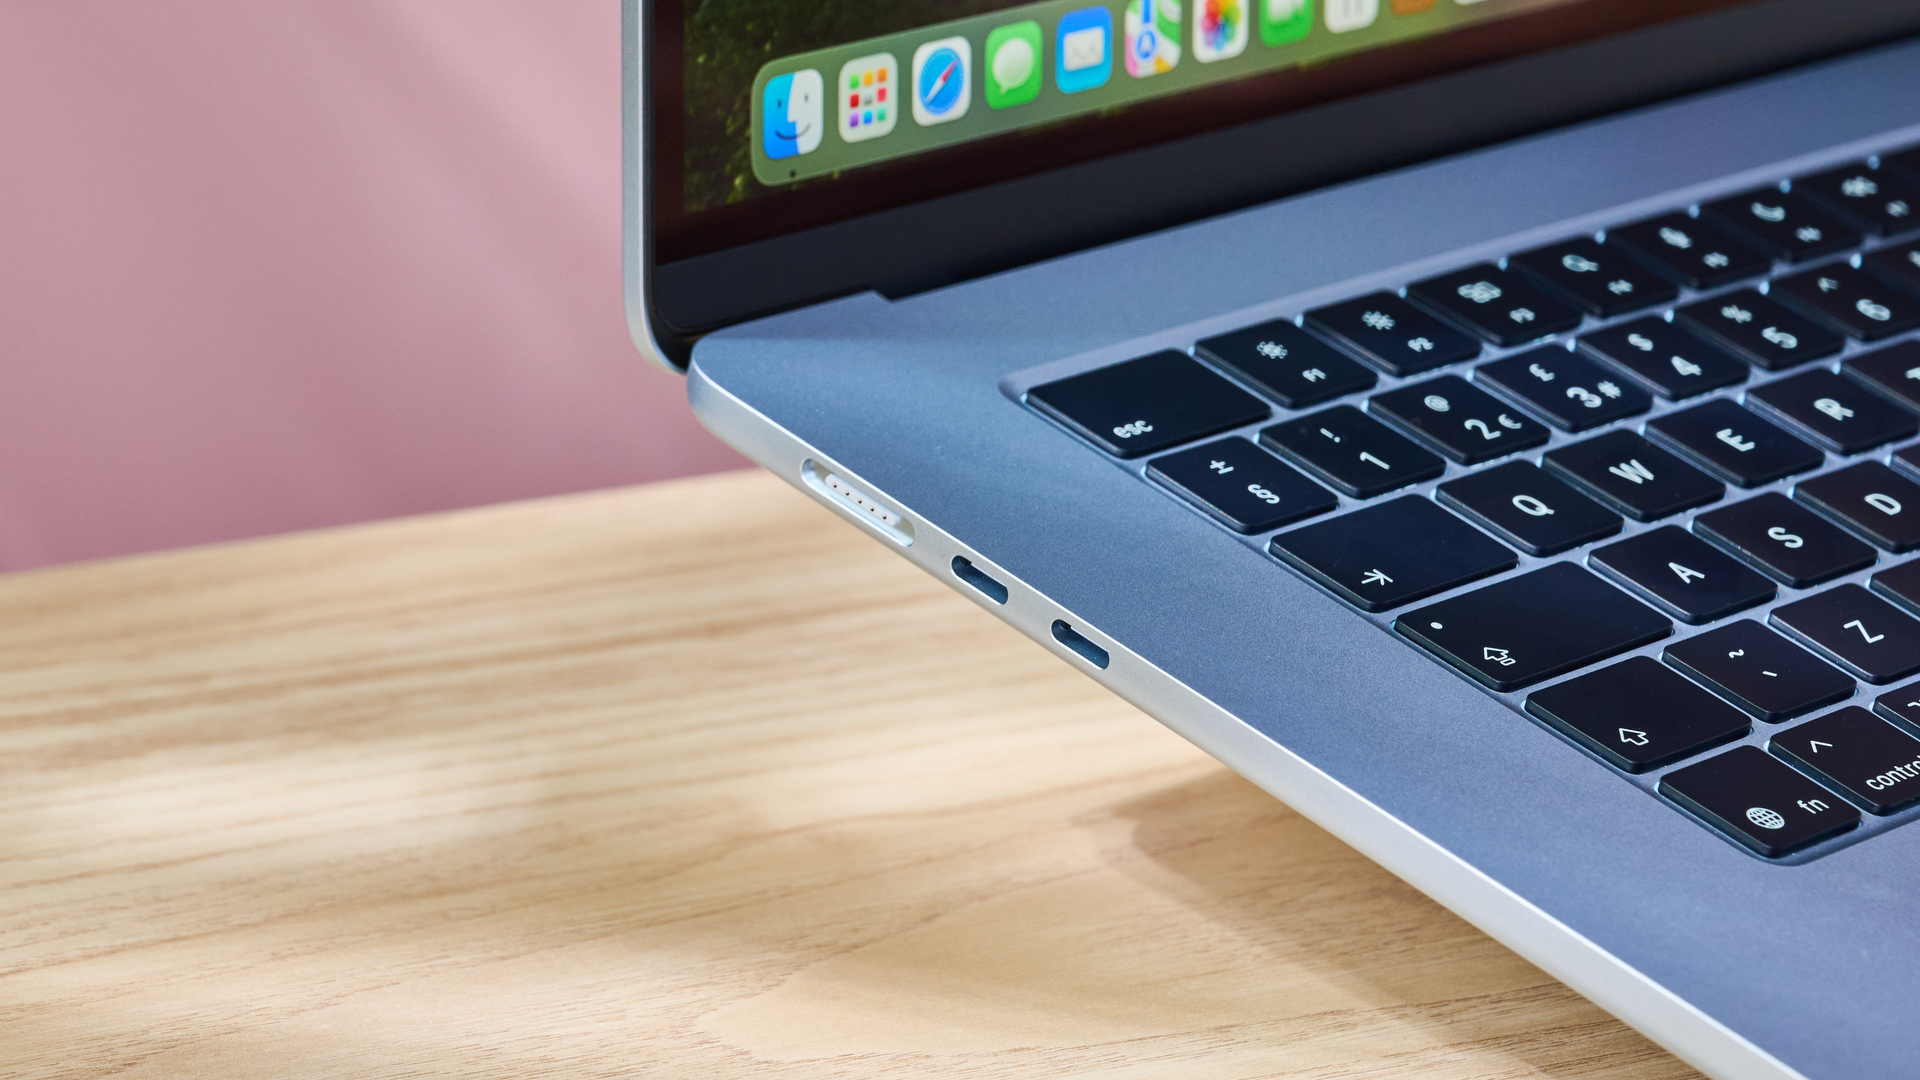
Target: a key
(1599, 279)
(1759, 670)
(1900, 584)
(1459, 420)
(1246, 488)
(1902, 703)
(1351, 452)
(1495, 304)
(1571, 392)
(1784, 539)
(1893, 371)
(1529, 508)
(1690, 252)
(1899, 264)
(1638, 715)
(1674, 363)
(1882, 202)
(1783, 224)
(1734, 444)
(1859, 753)
(1149, 404)
(1400, 338)
(1634, 476)
(1519, 631)
(1859, 631)
(1681, 575)
(1872, 500)
(1759, 801)
(1383, 556)
(1769, 336)
(1837, 413)
(1285, 362)
(1853, 300)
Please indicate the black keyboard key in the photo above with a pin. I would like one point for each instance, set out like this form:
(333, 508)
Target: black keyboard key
(1783, 224)
(1784, 539)
(1767, 335)
(1495, 304)
(1382, 556)
(1681, 575)
(1905, 162)
(1901, 704)
(1759, 670)
(1528, 508)
(1571, 392)
(1634, 476)
(1857, 752)
(1351, 452)
(1759, 801)
(1837, 413)
(1141, 406)
(1638, 715)
(1734, 444)
(1243, 486)
(1285, 362)
(1600, 279)
(1893, 371)
(1872, 500)
(1519, 631)
(1899, 264)
(1884, 203)
(1853, 300)
(1460, 420)
(1665, 357)
(1400, 338)
(1900, 584)
(1691, 252)
(1857, 630)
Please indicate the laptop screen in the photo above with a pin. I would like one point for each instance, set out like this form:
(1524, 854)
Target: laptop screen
(799, 113)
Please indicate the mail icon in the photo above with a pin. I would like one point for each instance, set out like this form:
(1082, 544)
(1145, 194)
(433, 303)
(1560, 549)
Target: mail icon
(1085, 57)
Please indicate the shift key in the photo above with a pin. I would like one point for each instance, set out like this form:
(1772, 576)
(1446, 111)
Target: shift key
(1534, 626)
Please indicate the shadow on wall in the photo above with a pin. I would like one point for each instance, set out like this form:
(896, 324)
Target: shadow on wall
(279, 266)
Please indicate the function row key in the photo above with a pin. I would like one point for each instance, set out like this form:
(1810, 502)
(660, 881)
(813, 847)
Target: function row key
(1393, 334)
(1690, 251)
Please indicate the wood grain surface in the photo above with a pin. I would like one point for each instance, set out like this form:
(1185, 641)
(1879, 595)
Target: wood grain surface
(691, 780)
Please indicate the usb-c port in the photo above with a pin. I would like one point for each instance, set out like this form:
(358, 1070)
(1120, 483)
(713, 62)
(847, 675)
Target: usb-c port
(972, 575)
(1091, 653)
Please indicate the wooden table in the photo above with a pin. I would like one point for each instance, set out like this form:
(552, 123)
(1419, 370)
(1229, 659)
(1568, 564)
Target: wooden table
(693, 781)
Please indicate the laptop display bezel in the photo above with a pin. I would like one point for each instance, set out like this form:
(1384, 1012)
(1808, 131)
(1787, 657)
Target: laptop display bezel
(1052, 213)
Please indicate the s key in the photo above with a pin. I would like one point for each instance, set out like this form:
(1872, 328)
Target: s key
(1784, 539)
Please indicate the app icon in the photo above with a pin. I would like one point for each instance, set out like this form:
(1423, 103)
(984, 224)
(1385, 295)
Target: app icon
(1153, 36)
(869, 103)
(1285, 21)
(792, 114)
(1412, 7)
(1345, 15)
(1013, 64)
(942, 83)
(1219, 29)
(1086, 50)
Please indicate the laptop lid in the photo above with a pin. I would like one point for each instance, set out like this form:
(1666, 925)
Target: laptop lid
(786, 153)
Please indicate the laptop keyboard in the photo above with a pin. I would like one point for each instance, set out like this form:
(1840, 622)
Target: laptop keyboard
(1647, 486)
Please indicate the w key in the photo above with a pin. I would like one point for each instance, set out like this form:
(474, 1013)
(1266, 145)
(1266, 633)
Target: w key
(1863, 633)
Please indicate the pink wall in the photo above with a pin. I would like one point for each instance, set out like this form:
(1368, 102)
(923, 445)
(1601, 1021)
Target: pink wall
(271, 266)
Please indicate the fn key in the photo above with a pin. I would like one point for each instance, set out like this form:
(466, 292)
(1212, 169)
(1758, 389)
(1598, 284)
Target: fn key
(1759, 801)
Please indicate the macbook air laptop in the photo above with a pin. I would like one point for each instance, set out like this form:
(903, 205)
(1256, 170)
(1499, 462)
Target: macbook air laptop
(1490, 426)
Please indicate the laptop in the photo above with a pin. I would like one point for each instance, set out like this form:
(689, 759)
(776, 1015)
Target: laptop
(1490, 426)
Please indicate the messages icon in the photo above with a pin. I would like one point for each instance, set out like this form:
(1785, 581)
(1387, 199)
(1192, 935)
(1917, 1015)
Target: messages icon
(1013, 64)
(1085, 50)
(793, 114)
